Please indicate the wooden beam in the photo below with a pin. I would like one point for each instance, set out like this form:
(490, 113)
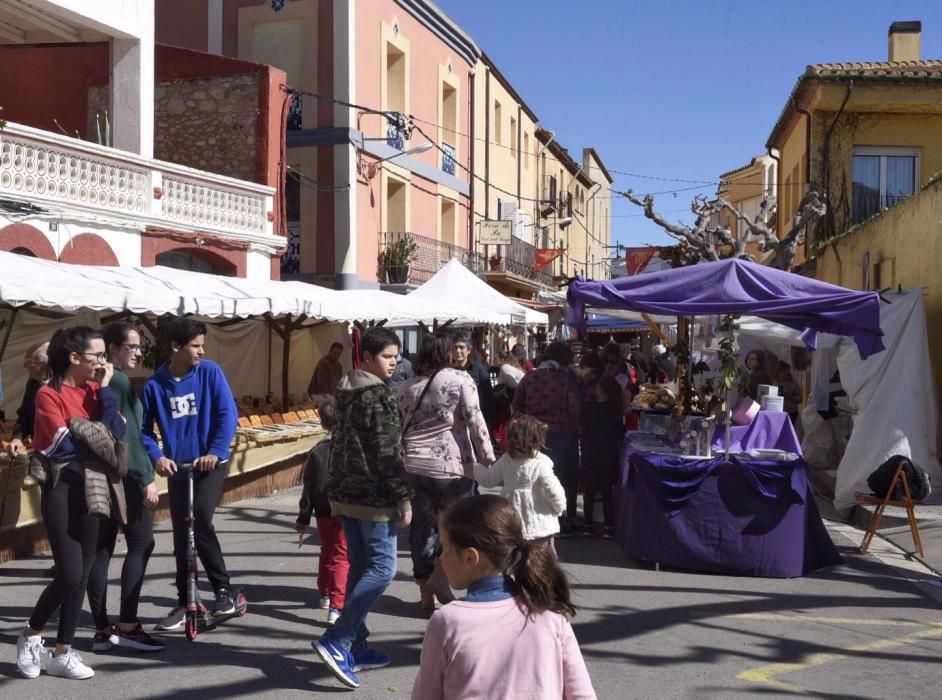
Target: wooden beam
(654, 327)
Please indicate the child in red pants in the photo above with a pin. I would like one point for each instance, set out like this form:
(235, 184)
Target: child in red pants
(333, 566)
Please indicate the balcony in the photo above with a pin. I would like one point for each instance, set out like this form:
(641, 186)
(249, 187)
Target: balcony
(408, 258)
(516, 260)
(448, 158)
(95, 183)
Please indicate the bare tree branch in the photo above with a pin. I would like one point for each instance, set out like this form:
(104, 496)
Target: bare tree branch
(705, 237)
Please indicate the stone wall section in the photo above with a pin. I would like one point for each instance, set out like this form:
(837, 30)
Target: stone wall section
(204, 123)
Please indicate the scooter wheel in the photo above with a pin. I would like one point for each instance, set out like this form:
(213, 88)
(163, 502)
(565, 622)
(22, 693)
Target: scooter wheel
(191, 630)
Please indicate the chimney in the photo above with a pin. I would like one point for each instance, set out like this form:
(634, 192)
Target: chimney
(904, 41)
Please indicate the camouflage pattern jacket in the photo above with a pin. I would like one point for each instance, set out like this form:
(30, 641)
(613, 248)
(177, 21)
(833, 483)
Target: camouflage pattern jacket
(366, 478)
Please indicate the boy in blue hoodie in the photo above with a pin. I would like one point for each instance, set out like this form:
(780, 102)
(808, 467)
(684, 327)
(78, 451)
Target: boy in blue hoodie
(189, 399)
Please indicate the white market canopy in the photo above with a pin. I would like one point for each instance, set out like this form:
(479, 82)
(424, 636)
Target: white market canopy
(472, 299)
(32, 282)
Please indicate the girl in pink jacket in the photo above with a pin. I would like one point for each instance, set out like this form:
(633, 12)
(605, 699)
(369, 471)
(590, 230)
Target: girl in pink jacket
(510, 636)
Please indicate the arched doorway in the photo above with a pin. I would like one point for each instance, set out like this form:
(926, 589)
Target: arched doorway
(196, 261)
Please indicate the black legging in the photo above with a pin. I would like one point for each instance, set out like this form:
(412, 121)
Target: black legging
(431, 497)
(72, 534)
(139, 535)
(207, 489)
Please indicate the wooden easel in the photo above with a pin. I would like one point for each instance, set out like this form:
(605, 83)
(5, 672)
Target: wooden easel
(881, 503)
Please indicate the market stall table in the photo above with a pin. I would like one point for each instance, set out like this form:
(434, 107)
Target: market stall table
(742, 516)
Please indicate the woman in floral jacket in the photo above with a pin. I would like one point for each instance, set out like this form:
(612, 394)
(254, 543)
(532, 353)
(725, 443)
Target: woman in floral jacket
(444, 434)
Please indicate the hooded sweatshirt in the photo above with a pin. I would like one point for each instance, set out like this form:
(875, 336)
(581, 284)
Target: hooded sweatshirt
(196, 414)
(366, 478)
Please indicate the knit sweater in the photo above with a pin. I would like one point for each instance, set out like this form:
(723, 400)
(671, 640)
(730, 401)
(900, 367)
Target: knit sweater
(139, 465)
(533, 489)
(551, 395)
(491, 651)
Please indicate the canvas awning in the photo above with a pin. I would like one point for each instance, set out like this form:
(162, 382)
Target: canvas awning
(739, 286)
(473, 300)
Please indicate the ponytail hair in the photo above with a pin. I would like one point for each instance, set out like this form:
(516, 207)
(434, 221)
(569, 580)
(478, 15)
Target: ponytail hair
(64, 342)
(492, 526)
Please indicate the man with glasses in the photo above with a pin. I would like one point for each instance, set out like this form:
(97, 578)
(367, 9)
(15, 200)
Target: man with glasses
(189, 399)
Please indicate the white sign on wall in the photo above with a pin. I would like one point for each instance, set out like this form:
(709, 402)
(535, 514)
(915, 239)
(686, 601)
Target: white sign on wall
(495, 232)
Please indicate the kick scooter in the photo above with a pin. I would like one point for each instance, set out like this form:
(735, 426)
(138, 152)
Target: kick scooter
(198, 618)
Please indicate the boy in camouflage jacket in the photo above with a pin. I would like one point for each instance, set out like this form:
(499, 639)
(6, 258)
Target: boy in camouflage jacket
(367, 488)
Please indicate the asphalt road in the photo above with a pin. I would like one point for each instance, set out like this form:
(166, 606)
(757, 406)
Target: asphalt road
(864, 629)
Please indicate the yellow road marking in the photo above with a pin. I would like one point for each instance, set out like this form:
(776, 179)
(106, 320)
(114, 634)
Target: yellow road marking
(780, 617)
(767, 674)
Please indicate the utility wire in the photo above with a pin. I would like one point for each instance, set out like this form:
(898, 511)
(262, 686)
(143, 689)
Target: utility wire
(390, 114)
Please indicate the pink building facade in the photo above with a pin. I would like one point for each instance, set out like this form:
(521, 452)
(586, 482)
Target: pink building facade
(378, 152)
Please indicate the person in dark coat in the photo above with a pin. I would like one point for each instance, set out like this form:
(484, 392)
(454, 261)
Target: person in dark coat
(461, 343)
(36, 362)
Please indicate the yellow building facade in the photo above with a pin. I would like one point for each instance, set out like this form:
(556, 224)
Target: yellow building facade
(866, 134)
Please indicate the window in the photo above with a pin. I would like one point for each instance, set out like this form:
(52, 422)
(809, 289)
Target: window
(882, 177)
(513, 137)
(448, 222)
(395, 79)
(497, 122)
(526, 151)
(449, 114)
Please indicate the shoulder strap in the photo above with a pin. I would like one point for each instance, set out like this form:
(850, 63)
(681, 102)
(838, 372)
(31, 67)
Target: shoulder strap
(428, 385)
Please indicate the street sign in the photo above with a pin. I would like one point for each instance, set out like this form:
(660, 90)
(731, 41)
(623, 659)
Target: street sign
(495, 232)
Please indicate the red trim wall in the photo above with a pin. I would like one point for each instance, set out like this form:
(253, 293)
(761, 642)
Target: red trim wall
(15, 236)
(88, 249)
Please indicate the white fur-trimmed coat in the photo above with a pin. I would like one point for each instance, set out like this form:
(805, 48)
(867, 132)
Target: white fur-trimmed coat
(533, 489)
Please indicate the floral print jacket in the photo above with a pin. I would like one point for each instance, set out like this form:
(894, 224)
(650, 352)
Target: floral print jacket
(446, 435)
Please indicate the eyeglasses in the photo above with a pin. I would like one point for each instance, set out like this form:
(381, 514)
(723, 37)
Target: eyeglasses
(131, 346)
(99, 356)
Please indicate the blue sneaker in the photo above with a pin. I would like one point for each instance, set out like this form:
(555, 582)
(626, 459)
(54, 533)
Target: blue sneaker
(338, 660)
(370, 658)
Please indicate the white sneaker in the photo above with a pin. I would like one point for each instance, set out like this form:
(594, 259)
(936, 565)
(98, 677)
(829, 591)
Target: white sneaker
(324, 603)
(30, 654)
(69, 665)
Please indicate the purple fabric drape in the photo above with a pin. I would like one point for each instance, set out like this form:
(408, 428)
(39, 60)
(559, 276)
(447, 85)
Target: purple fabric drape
(742, 287)
(768, 430)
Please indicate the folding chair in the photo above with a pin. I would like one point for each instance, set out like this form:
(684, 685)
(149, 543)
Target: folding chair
(887, 500)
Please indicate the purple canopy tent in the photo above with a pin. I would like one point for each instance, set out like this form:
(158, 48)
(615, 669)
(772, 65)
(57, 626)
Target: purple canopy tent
(739, 286)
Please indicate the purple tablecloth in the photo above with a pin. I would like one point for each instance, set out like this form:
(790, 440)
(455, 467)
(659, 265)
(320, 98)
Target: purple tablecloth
(768, 430)
(750, 517)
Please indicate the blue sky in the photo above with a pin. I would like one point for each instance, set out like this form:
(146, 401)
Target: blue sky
(676, 88)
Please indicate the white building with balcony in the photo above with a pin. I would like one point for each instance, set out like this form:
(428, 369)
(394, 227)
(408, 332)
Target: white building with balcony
(117, 151)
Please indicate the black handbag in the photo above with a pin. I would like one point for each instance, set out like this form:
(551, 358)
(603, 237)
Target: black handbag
(916, 477)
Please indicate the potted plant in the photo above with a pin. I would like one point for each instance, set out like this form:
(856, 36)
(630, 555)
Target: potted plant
(494, 262)
(395, 260)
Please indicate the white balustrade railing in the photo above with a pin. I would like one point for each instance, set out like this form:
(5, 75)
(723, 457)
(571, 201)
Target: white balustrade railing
(70, 176)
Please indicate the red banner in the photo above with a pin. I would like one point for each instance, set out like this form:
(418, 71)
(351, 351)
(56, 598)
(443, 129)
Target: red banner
(636, 259)
(544, 256)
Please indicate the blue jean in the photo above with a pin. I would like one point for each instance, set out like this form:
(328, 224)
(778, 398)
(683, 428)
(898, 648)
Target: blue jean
(563, 450)
(371, 551)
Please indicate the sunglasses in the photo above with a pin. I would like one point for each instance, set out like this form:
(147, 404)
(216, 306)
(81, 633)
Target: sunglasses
(98, 356)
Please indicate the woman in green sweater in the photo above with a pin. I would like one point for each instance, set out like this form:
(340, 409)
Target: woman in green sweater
(124, 352)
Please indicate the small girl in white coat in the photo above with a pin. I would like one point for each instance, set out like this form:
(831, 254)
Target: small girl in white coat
(528, 481)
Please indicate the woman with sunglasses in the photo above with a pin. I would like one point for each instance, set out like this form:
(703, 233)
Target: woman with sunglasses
(79, 374)
(124, 352)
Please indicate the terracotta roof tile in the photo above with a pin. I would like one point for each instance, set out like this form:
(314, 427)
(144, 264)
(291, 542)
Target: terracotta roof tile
(895, 69)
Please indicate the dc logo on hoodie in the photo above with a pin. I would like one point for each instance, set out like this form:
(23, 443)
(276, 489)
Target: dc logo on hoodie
(181, 406)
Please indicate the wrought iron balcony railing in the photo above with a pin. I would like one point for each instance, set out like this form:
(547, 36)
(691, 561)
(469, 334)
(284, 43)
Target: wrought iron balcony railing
(408, 258)
(517, 259)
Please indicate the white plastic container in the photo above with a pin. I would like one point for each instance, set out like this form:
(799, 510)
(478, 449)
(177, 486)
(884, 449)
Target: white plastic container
(773, 403)
(766, 390)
